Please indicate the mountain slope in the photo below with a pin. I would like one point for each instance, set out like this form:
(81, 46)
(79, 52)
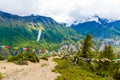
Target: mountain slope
(101, 29)
(18, 31)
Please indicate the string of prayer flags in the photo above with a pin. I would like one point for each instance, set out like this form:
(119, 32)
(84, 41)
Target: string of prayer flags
(22, 48)
(37, 51)
(4, 46)
(105, 59)
(42, 51)
(49, 52)
(116, 60)
(99, 60)
(61, 52)
(88, 59)
(16, 48)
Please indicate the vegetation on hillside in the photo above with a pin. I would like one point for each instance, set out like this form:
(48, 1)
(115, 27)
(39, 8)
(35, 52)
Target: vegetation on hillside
(69, 71)
(89, 64)
(23, 58)
(22, 32)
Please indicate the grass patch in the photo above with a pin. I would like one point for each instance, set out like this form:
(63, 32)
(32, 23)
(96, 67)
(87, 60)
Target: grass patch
(44, 56)
(69, 71)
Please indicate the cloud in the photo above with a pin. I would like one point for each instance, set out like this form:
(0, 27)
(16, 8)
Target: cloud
(63, 10)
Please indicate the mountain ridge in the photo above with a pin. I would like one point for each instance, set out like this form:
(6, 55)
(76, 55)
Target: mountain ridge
(102, 29)
(16, 30)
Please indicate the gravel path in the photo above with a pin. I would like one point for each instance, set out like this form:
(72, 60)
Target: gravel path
(33, 71)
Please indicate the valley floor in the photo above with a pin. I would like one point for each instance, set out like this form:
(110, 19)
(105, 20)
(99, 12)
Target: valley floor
(32, 71)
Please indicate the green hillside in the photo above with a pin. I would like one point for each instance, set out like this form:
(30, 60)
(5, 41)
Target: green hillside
(20, 31)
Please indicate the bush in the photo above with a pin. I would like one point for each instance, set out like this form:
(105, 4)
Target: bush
(1, 76)
(1, 58)
(63, 64)
(70, 72)
(12, 58)
(116, 75)
(21, 62)
(22, 58)
(32, 57)
(44, 58)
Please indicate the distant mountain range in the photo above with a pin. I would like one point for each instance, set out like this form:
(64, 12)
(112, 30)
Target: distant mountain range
(101, 29)
(22, 31)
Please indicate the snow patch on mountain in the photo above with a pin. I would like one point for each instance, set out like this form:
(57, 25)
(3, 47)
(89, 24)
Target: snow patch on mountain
(95, 18)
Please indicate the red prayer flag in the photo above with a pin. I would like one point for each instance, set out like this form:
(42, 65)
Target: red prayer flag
(42, 51)
(6, 46)
(27, 49)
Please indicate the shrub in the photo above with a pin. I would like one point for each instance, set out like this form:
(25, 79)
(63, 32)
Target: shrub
(32, 57)
(21, 62)
(12, 58)
(1, 58)
(44, 58)
(63, 64)
(1, 76)
(116, 75)
(22, 58)
(70, 72)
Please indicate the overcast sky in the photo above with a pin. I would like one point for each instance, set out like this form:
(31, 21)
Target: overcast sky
(63, 10)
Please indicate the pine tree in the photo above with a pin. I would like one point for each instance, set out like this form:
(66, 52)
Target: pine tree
(108, 53)
(107, 68)
(86, 46)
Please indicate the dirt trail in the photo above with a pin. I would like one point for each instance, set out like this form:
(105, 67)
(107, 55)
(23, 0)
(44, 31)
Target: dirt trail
(33, 71)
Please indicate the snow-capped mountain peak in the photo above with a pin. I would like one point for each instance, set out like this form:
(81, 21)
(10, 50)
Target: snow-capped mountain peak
(95, 18)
